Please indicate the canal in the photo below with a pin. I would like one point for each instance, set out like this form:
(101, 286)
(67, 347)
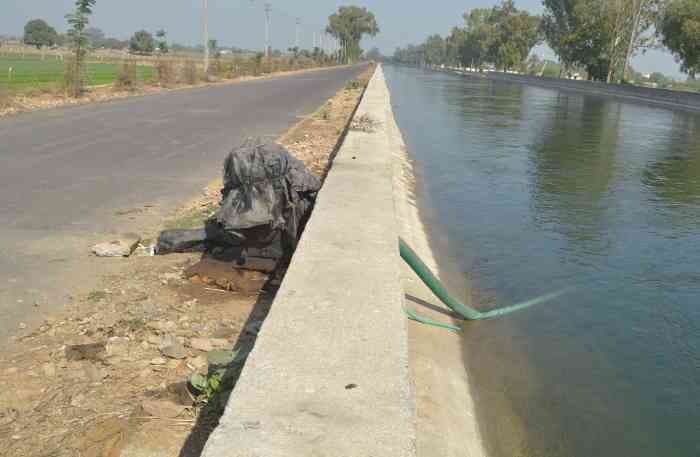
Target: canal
(529, 191)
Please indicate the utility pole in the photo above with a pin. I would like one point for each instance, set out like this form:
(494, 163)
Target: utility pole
(268, 9)
(205, 37)
(296, 38)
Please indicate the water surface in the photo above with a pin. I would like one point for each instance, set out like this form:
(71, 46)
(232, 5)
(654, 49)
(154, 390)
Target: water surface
(536, 190)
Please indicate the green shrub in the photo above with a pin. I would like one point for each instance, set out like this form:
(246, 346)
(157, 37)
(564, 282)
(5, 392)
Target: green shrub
(354, 85)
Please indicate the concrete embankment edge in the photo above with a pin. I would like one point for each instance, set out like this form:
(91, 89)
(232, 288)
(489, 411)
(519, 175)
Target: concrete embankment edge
(329, 375)
(673, 99)
(446, 422)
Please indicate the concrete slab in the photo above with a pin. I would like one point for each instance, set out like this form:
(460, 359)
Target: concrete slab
(329, 375)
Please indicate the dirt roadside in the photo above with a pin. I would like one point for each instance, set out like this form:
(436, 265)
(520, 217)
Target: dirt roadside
(108, 376)
(10, 106)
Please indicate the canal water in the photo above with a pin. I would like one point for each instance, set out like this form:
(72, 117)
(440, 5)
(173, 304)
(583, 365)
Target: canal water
(529, 191)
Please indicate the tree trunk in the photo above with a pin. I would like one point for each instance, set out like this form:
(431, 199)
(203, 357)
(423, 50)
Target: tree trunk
(633, 37)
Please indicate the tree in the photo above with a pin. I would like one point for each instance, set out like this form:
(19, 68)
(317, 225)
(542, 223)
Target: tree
(78, 21)
(479, 34)
(599, 35)
(142, 43)
(679, 28)
(374, 54)
(38, 33)
(435, 50)
(349, 25)
(516, 32)
(95, 36)
(162, 42)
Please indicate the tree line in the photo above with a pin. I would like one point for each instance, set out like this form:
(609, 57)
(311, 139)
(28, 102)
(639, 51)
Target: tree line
(40, 34)
(598, 37)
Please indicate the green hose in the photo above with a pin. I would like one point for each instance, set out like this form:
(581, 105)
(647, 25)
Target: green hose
(434, 284)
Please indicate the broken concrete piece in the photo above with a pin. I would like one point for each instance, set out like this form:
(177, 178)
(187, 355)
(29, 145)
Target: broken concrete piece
(199, 363)
(144, 251)
(172, 348)
(120, 247)
(226, 276)
(117, 346)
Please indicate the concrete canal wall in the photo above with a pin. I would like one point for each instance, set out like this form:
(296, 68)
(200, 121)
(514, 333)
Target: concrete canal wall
(663, 97)
(329, 375)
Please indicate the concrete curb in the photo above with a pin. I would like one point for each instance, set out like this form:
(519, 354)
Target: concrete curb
(329, 375)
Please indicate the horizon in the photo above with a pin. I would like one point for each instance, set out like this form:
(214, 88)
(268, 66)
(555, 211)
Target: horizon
(410, 24)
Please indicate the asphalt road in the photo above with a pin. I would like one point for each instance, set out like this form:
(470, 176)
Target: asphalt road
(69, 176)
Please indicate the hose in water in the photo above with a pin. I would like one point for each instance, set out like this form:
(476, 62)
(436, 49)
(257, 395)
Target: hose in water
(434, 284)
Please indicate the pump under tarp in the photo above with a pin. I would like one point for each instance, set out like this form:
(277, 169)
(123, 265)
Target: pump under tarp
(266, 199)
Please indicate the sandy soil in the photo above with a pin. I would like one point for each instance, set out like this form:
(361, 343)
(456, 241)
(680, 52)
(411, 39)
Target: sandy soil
(108, 376)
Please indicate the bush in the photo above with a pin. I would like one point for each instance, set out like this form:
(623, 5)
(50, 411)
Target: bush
(166, 72)
(189, 73)
(354, 84)
(127, 77)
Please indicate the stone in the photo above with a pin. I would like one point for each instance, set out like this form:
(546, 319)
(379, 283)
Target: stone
(120, 247)
(172, 348)
(163, 408)
(201, 344)
(158, 361)
(199, 363)
(225, 275)
(117, 346)
(144, 251)
(22, 325)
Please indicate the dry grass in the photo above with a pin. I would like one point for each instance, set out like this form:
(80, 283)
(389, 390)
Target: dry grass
(127, 77)
(190, 74)
(167, 72)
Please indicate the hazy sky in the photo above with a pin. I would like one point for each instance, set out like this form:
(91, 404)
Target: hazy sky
(241, 22)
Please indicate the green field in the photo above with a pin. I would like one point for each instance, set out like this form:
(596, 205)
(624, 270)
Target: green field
(31, 72)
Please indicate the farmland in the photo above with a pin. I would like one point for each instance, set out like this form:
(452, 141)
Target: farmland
(22, 73)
